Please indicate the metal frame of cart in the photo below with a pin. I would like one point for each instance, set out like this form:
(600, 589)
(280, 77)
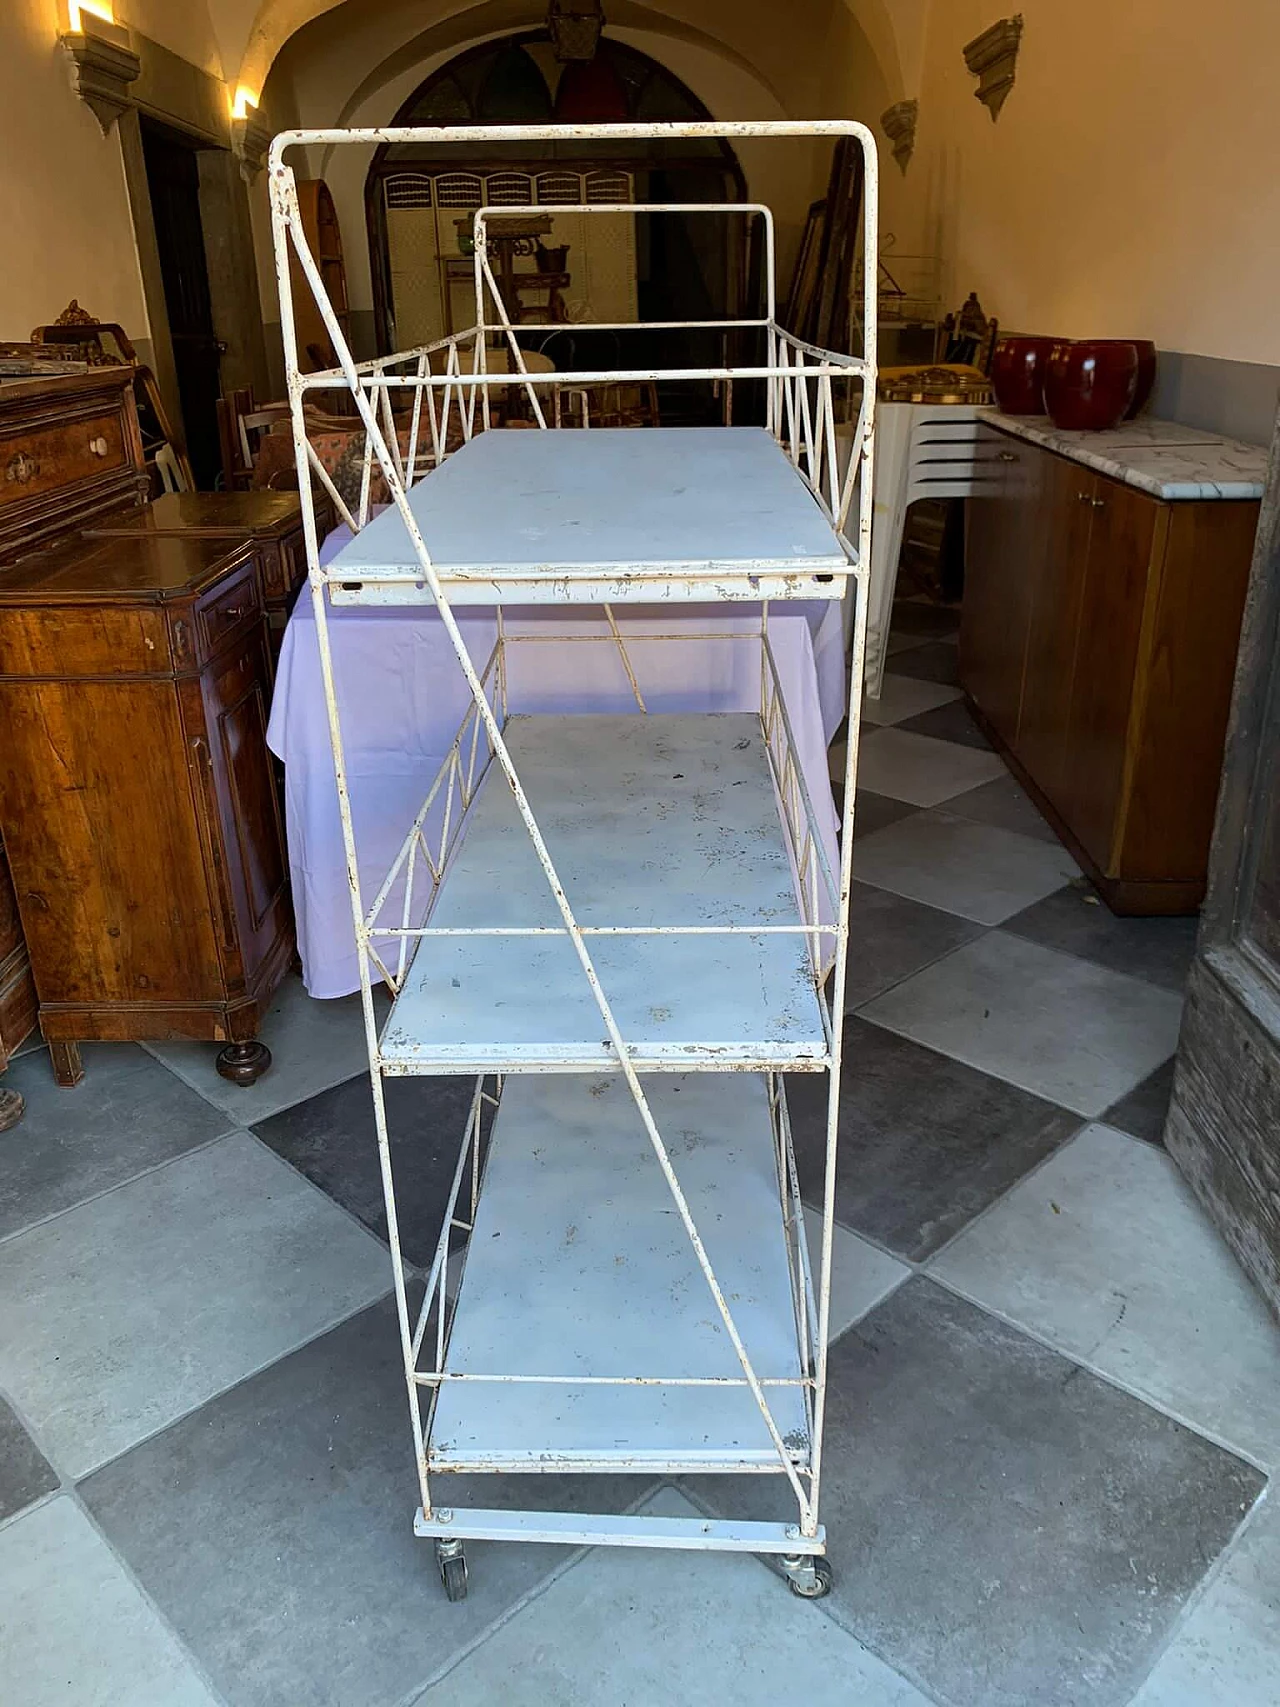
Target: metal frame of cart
(419, 915)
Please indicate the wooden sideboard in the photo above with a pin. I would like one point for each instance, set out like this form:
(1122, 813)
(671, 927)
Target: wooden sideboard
(271, 520)
(1097, 647)
(70, 455)
(137, 795)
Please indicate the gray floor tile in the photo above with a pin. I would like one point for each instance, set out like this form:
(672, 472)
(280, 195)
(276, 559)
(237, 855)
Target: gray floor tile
(1077, 921)
(934, 661)
(1006, 1528)
(1146, 1108)
(1227, 1654)
(861, 1275)
(925, 616)
(313, 1045)
(632, 1626)
(873, 811)
(74, 1631)
(331, 1138)
(128, 1115)
(274, 1530)
(918, 769)
(1005, 805)
(1105, 1253)
(972, 869)
(25, 1475)
(950, 722)
(1076, 1033)
(902, 642)
(133, 1309)
(890, 937)
(902, 697)
(925, 1142)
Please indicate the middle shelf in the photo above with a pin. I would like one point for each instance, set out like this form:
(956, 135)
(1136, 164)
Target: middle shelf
(652, 821)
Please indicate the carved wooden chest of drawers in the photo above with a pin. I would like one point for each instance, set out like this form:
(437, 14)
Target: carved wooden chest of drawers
(70, 455)
(272, 521)
(137, 793)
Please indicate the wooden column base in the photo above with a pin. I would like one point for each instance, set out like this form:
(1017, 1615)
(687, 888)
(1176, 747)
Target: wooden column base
(12, 1108)
(243, 1063)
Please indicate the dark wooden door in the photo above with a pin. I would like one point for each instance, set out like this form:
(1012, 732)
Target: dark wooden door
(1224, 1122)
(1004, 531)
(1122, 540)
(173, 183)
(1065, 519)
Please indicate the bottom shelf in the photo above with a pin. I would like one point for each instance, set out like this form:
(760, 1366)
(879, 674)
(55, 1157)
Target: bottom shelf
(579, 1265)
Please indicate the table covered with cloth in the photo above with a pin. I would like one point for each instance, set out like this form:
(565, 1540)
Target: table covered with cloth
(402, 696)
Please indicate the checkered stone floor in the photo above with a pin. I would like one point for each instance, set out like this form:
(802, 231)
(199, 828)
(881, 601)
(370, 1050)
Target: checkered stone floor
(1054, 1404)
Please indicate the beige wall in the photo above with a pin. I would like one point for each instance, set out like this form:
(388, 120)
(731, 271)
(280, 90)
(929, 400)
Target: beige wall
(1130, 184)
(63, 205)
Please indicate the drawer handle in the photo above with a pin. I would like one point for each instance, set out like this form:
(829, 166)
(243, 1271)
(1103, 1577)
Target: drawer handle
(229, 613)
(1093, 503)
(98, 446)
(22, 468)
(1006, 456)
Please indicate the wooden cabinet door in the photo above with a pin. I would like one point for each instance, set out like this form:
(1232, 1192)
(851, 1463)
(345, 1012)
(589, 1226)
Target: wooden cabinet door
(1001, 547)
(1127, 534)
(246, 852)
(102, 843)
(1065, 519)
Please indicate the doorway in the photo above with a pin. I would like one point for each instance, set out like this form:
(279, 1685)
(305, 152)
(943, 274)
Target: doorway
(173, 186)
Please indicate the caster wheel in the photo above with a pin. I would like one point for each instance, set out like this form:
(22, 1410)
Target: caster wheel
(815, 1586)
(453, 1573)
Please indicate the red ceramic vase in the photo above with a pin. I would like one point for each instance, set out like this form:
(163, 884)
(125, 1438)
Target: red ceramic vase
(1017, 374)
(1146, 349)
(1089, 385)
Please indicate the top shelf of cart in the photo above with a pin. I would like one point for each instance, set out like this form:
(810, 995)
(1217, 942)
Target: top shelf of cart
(602, 516)
(483, 515)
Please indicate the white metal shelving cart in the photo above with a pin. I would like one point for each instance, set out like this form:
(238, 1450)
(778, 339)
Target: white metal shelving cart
(623, 926)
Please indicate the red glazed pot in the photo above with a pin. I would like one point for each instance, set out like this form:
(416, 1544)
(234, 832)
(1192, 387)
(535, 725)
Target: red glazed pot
(1146, 349)
(1017, 374)
(1089, 385)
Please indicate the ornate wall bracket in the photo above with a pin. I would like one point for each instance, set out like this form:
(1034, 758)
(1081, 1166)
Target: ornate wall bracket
(899, 124)
(250, 138)
(104, 66)
(992, 58)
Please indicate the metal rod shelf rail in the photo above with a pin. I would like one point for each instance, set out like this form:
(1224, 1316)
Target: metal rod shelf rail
(598, 1124)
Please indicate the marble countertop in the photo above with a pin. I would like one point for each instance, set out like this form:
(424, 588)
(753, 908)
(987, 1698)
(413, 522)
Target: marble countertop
(1160, 457)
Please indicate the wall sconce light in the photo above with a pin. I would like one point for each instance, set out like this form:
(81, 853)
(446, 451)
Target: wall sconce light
(242, 102)
(899, 125)
(992, 57)
(103, 61)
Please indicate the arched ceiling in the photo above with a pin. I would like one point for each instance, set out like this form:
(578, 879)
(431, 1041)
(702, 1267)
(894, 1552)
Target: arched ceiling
(251, 33)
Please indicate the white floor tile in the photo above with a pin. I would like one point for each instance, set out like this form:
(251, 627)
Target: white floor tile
(920, 769)
(1077, 1033)
(861, 1275)
(132, 1309)
(630, 1627)
(977, 870)
(903, 696)
(74, 1631)
(1227, 1654)
(313, 1045)
(1105, 1253)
